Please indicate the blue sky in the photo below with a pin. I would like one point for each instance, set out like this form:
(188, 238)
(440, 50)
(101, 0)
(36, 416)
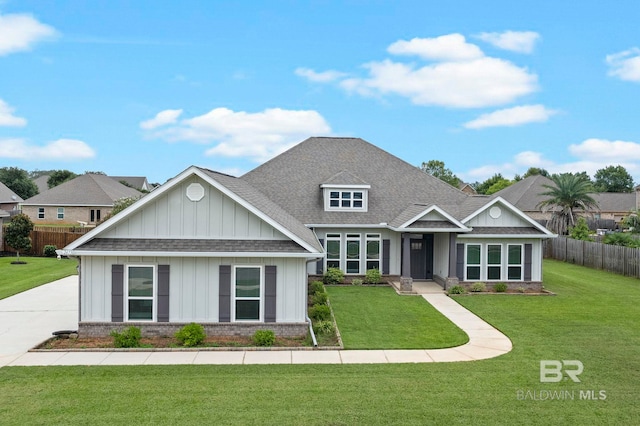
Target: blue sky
(148, 88)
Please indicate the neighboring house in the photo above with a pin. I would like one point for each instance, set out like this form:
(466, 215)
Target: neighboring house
(235, 253)
(466, 188)
(613, 207)
(86, 199)
(42, 183)
(138, 182)
(9, 202)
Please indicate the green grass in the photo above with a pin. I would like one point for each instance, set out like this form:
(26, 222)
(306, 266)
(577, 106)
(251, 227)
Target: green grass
(593, 318)
(38, 270)
(377, 318)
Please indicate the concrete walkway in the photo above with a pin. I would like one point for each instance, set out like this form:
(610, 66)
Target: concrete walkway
(31, 317)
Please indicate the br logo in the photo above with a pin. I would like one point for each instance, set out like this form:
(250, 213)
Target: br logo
(552, 371)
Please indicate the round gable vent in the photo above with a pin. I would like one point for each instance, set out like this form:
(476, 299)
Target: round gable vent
(195, 192)
(495, 212)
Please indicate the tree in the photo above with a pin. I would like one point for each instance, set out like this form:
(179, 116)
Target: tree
(60, 176)
(437, 169)
(18, 181)
(568, 193)
(482, 188)
(613, 179)
(17, 233)
(533, 171)
(119, 205)
(497, 186)
(581, 231)
(633, 222)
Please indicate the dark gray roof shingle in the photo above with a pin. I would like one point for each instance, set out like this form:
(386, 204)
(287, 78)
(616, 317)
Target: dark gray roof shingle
(191, 245)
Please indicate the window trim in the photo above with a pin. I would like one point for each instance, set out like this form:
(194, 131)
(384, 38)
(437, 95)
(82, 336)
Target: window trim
(154, 297)
(520, 265)
(352, 237)
(60, 213)
(333, 237)
(484, 264)
(41, 212)
(260, 298)
(475, 265)
(351, 190)
(367, 239)
(343, 240)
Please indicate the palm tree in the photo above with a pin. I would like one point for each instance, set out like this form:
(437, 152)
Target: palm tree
(569, 192)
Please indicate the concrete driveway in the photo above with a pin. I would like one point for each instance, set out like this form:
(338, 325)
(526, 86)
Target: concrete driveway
(31, 316)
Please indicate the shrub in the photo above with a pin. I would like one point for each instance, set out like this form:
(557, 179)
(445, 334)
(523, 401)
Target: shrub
(457, 289)
(500, 287)
(521, 289)
(264, 337)
(129, 338)
(333, 276)
(478, 287)
(191, 335)
(581, 230)
(49, 250)
(620, 239)
(356, 281)
(323, 327)
(316, 287)
(373, 276)
(320, 298)
(320, 312)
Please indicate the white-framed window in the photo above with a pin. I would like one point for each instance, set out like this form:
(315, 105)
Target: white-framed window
(374, 244)
(40, 212)
(141, 293)
(345, 199)
(248, 288)
(332, 246)
(353, 253)
(494, 262)
(94, 216)
(515, 262)
(60, 213)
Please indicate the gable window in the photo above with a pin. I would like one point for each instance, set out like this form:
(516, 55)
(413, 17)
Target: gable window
(345, 198)
(248, 293)
(373, 251)
(473, 261)
(141, 291)
(40, 212)
(514, 262)
(333, 251)
(60, 212)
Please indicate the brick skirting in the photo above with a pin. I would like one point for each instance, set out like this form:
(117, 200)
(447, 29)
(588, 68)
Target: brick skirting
(156, 329)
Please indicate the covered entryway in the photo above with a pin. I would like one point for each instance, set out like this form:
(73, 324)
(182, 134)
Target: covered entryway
(421, 254)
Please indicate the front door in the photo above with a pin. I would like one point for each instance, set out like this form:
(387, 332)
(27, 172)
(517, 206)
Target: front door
(422, 257)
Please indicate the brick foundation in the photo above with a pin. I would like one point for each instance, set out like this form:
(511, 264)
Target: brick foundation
(155, 329)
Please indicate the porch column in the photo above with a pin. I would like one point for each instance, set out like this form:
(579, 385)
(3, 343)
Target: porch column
(406, 255)
(452, 255)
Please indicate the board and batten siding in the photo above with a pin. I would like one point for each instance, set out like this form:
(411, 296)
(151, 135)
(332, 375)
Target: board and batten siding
(174, 215)
(506, 218)
(193, 287)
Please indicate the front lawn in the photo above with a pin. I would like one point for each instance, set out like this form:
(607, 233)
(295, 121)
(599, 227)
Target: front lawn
(593, 319)
(37, 271)
(377, 318)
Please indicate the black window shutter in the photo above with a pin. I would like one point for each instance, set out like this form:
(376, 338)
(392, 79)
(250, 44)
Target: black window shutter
(528, 255)
(386, 256)
(163, 293)
(460, 261)
(117, 293)
(270, 293)
(224, 298)
(320, 263)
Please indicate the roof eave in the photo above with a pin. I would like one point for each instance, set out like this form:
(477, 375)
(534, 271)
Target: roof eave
(99, 253)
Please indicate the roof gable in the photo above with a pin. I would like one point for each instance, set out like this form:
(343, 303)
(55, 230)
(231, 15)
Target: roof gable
(499, 213)
(7, 196)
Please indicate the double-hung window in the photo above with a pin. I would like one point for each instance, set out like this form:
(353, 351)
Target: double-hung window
(60, 213)
(333, 250)
(40, 212)
(353, 253)
(141, 291)
(248, 290)
(373, 251)
(473, 262)
(514, 262)
(494, 262)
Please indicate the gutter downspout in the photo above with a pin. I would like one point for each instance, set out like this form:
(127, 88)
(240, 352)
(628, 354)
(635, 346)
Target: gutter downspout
(306, 313)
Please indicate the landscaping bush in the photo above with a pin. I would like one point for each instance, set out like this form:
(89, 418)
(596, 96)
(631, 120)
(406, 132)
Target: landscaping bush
(320, 313)
(264, 337)
(621, 239)
(129, 338)
(333, 276)
(478, 287)
(191, 335)
(457, 289)
(500, 287)
(372, 276)
(49, 251)
(324, 327)
(521, 289)
(320, 298)
(316, 287)
(356, 281)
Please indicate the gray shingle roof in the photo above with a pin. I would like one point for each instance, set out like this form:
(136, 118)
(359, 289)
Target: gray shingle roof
(138, 182)
(7, 195)
(84, 190)
(504, 230)
(293, 181)
(191, 245)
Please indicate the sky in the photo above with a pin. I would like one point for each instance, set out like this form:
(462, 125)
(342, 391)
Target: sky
(149, 88)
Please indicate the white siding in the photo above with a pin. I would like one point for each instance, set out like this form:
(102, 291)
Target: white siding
(174, 215)
(441, 255)
(194, 287)
(506, 218)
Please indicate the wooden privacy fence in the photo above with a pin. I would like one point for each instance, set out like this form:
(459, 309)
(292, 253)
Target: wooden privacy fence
(43, 237)
(616, 259)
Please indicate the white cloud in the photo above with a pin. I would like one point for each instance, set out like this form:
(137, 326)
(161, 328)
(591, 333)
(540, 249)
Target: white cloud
(7, 118)
(510, 117)
(515, 41)
(61, 149)
(459, 75)
(19, 32)
(319, 77)
(257, 136)
(462, 84)
(451, 47)
(168, 116)
(625, 65)
(606, 150)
